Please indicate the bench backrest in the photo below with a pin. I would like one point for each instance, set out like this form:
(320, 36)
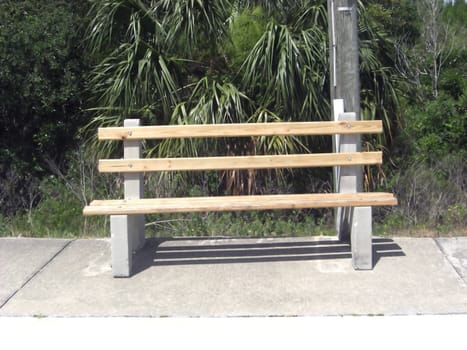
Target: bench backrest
(132, 164)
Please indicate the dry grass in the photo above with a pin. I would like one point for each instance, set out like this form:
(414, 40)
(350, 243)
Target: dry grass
(429, 232)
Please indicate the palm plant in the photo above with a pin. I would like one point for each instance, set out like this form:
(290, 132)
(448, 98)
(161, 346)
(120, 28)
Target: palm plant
(173, 61)
(143, 43)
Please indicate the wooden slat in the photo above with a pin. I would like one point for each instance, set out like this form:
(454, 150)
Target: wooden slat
(241, 130)
(234, 203)
(240, 162)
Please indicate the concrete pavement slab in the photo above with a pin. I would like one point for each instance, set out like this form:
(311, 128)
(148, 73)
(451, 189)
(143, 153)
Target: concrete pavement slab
(246, 277)
(455, 250)
(21, 259)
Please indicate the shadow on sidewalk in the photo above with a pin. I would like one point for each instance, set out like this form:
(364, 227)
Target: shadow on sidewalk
(166, 251)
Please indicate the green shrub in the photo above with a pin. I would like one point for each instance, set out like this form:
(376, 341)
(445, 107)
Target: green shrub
(246, 29)
(238, 224)
(58, 213)
(4, 226)
(430, 194)
(436, 129)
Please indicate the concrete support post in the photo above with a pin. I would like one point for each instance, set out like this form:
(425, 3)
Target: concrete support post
(349, 179)
(361, 238)
(134, 185)
(122, 249)
(127, 231)
(338, 109)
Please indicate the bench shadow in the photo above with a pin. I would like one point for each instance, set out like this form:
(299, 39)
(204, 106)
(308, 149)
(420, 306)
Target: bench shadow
(179, 251)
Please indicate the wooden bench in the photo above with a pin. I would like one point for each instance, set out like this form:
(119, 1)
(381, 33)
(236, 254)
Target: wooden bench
(353, 216)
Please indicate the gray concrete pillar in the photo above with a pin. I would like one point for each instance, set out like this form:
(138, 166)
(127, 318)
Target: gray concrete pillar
(361, 238)
(338, 109)
(127, 231)
(121, 245)
(134, 185)
(347, 179)
(352, 224)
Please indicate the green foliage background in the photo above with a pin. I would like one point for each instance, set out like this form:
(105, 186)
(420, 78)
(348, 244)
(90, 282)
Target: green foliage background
(42, 70)
(67, 67)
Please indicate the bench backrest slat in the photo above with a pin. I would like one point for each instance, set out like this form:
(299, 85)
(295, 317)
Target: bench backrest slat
(240, 162)
(241, 130)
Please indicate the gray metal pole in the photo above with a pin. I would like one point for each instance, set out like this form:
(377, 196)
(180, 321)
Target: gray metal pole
(344, 79)
(344, 50)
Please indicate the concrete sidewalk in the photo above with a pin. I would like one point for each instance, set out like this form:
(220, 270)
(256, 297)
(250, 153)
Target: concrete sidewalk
(303, 276)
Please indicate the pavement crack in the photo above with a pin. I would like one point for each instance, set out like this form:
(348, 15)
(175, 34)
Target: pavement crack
(446, 256)
(33, 275)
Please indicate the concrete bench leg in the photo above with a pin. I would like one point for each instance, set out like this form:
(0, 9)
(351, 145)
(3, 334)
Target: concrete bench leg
(127, 231)
(127, 236)
(361, 238)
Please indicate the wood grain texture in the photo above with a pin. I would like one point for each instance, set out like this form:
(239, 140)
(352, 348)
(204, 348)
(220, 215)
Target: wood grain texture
(240, 162)
(235, 203)
(241, 130)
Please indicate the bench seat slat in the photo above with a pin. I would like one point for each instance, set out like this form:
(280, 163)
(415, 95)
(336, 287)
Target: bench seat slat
(233, 203)
(240, 162)
(241, 130)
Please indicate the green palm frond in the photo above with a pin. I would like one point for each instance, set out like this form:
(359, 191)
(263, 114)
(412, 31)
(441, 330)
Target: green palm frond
(379, 82)
(274, 144)
(211, 102)
(112, 20)
(283, 69)
(133, 77)
(195, 23)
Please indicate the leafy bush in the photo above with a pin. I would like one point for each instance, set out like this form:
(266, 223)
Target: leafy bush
(59, 211)
(436, 129)
(42, 68)
(431, 194)
(246, 30)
